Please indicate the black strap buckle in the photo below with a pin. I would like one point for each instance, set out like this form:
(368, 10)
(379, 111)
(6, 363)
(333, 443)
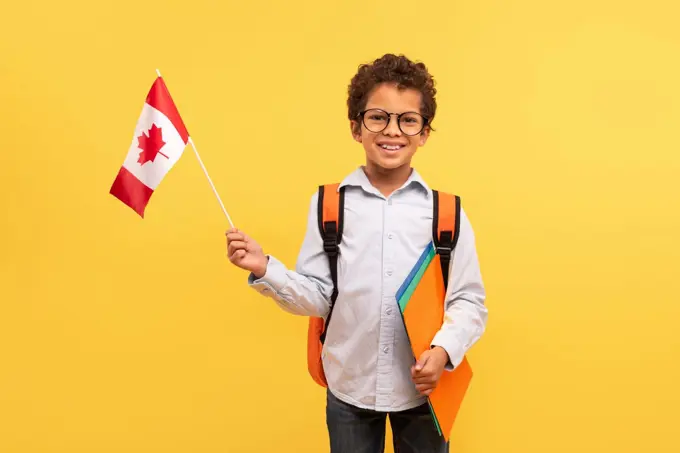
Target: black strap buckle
(330, 239)
(445, 244)
(330, 245)
(444, 251)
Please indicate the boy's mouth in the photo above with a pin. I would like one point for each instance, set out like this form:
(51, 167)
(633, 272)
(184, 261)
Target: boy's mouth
(388, 147)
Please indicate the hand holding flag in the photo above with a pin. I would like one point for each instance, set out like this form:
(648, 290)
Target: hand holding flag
(245, 253)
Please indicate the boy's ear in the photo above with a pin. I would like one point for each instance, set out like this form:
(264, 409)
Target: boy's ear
(424, 135)
(355, 127)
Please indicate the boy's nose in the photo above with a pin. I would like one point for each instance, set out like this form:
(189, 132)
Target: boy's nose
(392, 128)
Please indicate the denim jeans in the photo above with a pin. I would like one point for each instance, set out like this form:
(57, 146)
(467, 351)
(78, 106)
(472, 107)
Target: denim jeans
(355, 430)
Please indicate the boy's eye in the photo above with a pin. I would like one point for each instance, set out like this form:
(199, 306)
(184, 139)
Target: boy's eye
(411, 119)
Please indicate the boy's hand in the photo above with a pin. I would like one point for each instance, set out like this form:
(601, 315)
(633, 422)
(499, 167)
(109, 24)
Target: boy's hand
(246, 253)
(429, 368)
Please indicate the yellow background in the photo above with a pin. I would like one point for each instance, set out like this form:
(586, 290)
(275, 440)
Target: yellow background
(557, 124)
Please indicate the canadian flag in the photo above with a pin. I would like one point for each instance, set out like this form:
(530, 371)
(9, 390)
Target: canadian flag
(159, 141)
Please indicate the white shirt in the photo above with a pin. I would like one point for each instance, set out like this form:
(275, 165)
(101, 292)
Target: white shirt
(366, 356)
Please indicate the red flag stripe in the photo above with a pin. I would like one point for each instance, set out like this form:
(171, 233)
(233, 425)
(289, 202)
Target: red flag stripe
(131, 191)
(160, 99)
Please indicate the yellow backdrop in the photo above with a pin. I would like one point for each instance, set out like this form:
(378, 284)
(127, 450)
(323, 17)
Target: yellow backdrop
(557, 124)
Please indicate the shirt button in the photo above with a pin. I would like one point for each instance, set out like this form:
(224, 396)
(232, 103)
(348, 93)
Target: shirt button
(388, 273)
(388, 311)
(385, 349)
(390, 236)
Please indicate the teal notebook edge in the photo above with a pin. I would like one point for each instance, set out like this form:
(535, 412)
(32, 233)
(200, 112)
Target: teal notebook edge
(413, 278)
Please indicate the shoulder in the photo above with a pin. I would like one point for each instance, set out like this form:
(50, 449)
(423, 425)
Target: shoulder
(323, 193)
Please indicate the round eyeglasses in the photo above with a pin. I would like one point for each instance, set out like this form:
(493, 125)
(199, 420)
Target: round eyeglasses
(377, 120)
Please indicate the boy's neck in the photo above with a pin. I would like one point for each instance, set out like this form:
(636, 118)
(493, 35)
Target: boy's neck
(387, 181)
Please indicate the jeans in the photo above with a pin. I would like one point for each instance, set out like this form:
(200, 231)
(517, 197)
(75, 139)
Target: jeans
(355, 430)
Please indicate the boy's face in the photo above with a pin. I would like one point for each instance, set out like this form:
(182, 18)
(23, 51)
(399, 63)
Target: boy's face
(390, 148)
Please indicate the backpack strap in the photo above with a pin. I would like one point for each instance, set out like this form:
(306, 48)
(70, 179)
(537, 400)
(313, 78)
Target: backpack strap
(331, 205)
(445, 228)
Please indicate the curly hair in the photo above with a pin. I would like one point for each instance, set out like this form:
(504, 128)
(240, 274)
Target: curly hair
(391, 68)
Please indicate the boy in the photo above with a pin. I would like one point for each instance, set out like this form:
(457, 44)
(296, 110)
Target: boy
(388, 217)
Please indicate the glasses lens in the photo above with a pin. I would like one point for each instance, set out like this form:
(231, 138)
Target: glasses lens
(411, 123)
(375, 120)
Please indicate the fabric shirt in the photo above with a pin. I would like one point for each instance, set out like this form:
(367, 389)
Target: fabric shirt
(366, 356)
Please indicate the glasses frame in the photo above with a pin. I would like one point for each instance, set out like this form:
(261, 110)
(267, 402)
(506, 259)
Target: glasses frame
(361, 114)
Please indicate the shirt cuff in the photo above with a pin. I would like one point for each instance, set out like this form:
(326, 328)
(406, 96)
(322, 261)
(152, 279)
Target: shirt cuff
(273, 280)
(446, 341)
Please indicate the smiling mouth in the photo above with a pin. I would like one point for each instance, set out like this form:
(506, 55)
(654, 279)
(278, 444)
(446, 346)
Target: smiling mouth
(391, 147)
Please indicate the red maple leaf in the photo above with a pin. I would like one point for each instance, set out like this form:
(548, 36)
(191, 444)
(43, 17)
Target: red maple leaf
(151, 143)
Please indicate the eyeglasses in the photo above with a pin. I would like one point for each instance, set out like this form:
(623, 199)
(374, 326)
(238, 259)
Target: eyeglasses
(377, 120)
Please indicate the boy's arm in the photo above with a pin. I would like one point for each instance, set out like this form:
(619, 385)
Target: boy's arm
(465, 316)
(307, 290)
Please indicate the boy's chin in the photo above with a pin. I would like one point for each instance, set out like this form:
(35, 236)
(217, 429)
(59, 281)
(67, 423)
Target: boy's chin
(389, 164)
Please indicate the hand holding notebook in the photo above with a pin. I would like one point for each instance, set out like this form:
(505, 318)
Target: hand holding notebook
(428, 369)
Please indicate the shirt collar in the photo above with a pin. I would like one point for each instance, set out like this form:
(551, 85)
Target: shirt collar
(358, 178)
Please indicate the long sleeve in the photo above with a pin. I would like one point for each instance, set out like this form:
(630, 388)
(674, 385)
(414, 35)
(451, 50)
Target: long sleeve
(466, 314)
(307, 290)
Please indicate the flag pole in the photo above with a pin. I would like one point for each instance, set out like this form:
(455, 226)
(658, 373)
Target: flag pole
(191, 142)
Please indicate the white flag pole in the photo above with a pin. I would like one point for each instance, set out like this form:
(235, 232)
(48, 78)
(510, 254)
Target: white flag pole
(191, 142)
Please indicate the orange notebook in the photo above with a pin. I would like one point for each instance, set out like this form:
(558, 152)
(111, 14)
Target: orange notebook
(421, 303)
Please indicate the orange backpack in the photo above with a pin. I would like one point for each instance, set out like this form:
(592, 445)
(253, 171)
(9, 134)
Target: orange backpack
(445, 226)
